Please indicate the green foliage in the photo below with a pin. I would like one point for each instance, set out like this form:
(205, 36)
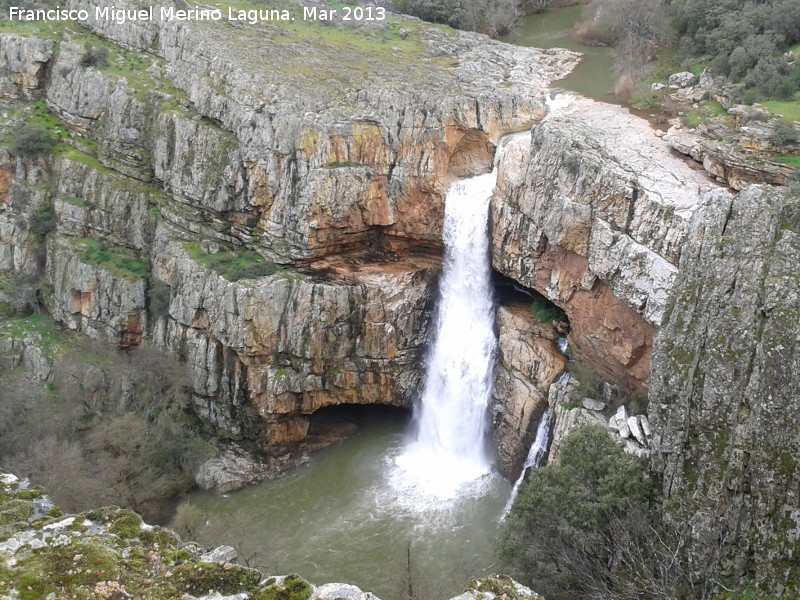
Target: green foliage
(784, 134)
(43, 221)
(32, 141)
(94, 57)
(545, 311)
(234, 265)
(745, 40)
(294, 588)
(120, 261)
(562, 525)
(159, 296)
(495, 17)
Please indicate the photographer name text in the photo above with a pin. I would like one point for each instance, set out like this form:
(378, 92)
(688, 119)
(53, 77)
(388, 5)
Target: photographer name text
(120, 16)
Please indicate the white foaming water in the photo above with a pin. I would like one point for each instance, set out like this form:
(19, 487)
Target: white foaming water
(449, 460)
(534, 458)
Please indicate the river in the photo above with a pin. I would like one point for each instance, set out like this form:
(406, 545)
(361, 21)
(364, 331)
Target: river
(339, 518)
(593, 77)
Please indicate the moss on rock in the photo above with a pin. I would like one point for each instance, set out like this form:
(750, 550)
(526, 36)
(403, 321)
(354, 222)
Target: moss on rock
(203, 578)
(127, 525)
(293, 587)
(69, 569)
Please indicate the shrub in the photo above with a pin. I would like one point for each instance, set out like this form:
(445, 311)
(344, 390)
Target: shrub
(563, 532)
(784, 134)
(32, 141)
(43, 221)
(294, 588)
(159, 295)
(127, 526)
(545, 311)
(94, 57)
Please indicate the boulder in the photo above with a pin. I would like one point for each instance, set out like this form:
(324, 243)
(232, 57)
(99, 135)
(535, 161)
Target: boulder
(221, 555)
(636, 430)
(682, 79)
(592, 404)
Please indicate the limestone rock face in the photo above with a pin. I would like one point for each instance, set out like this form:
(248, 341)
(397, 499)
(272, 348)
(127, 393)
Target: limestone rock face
(725, 161)
(528, 361)
(593, 212)
(725, 379)
(333, 164)
(22, 65)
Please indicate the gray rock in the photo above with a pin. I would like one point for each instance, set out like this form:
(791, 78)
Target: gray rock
(645, 426)
(624, 429)
(657, 87)
(636, 450)
(682, 79)
(736, 328)
(220, 555)
(334, 591)
(636, 430)
(592, 404)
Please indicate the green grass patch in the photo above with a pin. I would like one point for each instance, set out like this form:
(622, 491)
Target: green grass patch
(119, 261)
(545, 311)
(693, 119)
(235, 265)
(87, 159)
(339, 164)
(36, 325)
(77, 202)
(789, 110)
(787, 159)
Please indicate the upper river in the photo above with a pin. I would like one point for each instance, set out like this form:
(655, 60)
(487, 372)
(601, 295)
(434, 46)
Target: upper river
(593, 77)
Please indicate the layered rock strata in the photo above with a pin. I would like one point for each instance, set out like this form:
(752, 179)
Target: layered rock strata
(528, 362)
(325, 150)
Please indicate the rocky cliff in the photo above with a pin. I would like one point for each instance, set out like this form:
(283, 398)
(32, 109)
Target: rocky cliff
(593, 212)
(725, 383)
(263, 200)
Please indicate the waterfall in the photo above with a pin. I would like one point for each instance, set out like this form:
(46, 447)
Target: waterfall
(534, 458)
(450, 451)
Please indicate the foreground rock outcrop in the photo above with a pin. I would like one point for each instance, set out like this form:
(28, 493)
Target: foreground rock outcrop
(110, 553)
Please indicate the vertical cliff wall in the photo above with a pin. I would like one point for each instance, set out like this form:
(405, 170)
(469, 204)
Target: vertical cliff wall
(593, 212)
(726, 388)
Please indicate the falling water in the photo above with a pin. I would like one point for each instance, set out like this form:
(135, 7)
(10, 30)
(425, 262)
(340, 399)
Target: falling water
(535, 456)
(450, 451)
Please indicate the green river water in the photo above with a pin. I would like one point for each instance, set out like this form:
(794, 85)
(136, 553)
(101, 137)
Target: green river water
(340, 518)
(593, 76)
